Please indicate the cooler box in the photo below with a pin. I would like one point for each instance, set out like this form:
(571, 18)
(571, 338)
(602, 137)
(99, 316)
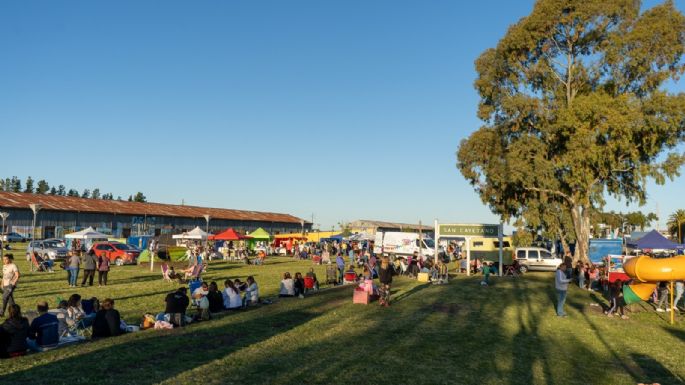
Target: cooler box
(423, 277)
(360, 296)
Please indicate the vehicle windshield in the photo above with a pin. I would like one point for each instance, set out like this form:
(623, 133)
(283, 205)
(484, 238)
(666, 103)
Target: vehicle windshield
(429, 242)
(122, 246)
(53, 244)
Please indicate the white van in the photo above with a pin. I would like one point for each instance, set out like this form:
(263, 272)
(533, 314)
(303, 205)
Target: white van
(403, 244)
(536, 258)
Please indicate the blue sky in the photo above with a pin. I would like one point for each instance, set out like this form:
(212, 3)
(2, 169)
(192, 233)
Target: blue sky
(342, 109)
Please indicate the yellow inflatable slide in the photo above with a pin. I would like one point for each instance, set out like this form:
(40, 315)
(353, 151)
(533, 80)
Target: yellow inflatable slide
(646, 272)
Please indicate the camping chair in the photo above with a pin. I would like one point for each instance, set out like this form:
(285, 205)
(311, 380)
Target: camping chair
(308, 283)
(331, 274)
(39, 264)
(510, 270)
(195, 274)
(316, 259)
(192, 286)
(165, 272)
(349, 277)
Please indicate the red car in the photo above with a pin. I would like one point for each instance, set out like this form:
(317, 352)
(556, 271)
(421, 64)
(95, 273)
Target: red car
(118, 253)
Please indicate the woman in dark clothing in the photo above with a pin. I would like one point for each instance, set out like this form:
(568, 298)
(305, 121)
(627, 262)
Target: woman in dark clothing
(385, 274)
(16, 329)
(299, 285)
(216, 300)
(107, 321)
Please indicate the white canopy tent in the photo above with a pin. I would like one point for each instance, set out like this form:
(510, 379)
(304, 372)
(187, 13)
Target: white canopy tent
(194, 234)
(361, 237)
(88, 233)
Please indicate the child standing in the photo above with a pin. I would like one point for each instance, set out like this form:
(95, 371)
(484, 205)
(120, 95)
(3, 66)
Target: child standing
(486, 275)
(662, 290)
(581, 275)
(616, 292)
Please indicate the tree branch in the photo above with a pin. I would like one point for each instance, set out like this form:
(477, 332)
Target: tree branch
(553, 192)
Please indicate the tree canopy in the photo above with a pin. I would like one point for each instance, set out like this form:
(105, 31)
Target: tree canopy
(574, 108)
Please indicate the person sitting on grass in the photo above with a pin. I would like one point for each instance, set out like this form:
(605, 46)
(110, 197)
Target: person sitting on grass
(201, 291)
(176, 305)
(240, 285)
(231, 296)
(16, 329)
(61, 314)
(251, 293)
(76, 316)
(44, 330)
(107, 321)
(287, 286)
(216, 300)
(299, 285)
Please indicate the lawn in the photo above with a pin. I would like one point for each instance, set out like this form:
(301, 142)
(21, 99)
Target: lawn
(460, 333)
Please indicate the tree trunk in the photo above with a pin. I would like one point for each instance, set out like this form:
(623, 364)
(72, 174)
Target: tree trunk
(581, 224)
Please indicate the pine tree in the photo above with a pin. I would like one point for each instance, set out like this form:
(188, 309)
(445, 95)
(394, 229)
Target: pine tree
(16, 184)
(73, 193)
(61, 190)
(53, 190)
(43, 187)
(29, 185)
(86, 194)
(95, 194)
(8, 185)
(139, 197)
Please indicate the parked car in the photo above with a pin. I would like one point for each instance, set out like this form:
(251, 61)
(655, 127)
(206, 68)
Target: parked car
(52, 248)
(536, 258)
(117, 252)
(13, 237)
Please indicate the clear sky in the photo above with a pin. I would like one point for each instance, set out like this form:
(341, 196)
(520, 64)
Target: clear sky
(342, 109)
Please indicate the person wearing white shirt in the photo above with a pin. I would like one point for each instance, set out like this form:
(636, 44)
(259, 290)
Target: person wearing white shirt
(231, 296)
(287, 286)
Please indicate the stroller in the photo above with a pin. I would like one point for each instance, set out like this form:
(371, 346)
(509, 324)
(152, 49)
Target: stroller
(40, 264)
(331, 274)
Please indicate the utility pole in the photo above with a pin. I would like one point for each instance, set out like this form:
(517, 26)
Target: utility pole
(35, 208)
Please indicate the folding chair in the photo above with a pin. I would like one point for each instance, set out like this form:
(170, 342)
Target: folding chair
(38, 264)
(349, 277)
(308, 283)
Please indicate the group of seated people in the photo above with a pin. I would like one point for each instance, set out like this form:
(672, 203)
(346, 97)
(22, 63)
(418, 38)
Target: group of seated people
(53, 328)
(208, 299)
(298, 286)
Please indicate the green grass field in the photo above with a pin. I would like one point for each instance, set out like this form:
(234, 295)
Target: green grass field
(460, 333)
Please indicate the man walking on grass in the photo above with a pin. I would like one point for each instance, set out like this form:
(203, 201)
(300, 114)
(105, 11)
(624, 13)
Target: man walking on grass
(561, 284)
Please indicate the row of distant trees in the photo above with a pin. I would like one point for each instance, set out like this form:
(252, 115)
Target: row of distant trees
(30, 186)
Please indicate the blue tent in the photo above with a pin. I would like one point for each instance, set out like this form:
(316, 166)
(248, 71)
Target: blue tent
(337, 237)
(654, 240)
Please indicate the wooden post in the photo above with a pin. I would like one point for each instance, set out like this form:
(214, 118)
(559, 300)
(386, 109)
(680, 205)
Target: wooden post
(672, 310)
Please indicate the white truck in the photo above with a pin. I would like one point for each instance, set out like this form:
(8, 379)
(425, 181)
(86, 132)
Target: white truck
(403, 244)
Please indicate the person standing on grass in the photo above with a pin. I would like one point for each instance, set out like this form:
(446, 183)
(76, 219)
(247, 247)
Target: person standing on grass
(568, 262)
(662, 290)
(340, 262)
(72, 269)
(385, 273)
(679, 289)
(89, 265)
(561, 284)
(581, 275)
(103, 270)
(10, 276)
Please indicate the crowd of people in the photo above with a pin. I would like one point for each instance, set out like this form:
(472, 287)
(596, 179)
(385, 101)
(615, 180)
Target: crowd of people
(592, 277)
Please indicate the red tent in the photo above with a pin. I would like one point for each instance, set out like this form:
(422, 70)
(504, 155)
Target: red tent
(228, 235)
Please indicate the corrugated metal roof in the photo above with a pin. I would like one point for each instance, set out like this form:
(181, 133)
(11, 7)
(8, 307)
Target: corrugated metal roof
(73, 204)
(370, 223)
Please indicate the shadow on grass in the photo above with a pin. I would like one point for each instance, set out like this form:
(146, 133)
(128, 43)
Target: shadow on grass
(153, 356)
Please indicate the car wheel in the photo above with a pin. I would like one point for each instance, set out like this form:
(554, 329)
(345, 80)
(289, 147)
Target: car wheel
(119, 262)
(523, 269)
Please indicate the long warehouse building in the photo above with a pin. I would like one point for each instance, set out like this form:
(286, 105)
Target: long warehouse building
(60, 215)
